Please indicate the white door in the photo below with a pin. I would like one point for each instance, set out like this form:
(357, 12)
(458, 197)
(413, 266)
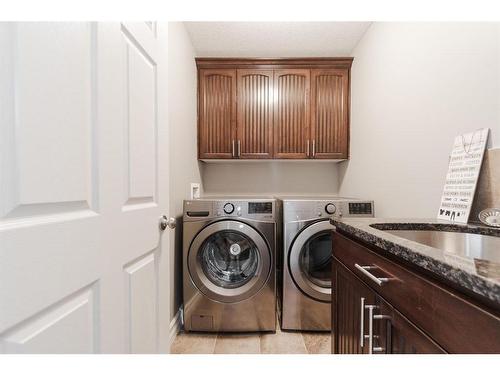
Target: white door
(83, 181)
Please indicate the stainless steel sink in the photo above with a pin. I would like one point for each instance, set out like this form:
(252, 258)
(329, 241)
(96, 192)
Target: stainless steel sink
(471, 245)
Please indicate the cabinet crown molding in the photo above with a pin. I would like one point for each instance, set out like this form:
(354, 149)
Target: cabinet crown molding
(279, 62)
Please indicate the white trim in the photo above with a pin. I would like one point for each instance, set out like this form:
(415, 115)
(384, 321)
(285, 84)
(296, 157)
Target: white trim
(174, 328)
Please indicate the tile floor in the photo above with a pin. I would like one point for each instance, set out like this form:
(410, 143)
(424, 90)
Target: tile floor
(264, 343)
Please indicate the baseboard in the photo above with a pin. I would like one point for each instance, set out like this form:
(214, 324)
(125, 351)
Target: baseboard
(175, 327)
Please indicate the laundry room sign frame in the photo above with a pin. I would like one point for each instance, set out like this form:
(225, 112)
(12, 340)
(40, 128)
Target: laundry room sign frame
(463, 173)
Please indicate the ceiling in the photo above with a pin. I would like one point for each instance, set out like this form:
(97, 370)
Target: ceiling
(275, 39)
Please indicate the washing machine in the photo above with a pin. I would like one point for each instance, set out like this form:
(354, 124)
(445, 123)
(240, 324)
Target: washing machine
(229, 251)
(306, 290)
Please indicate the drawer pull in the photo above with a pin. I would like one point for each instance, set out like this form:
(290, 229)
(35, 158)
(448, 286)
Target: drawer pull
(365, 270)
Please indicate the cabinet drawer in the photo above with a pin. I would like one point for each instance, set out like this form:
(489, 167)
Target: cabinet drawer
(456, 324)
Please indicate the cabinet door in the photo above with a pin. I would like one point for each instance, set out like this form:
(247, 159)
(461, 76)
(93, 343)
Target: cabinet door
(350, 317)
(217, 113)
(329, 113)
(255, 114)
(291, 114)
(397, 335)
(364, 323)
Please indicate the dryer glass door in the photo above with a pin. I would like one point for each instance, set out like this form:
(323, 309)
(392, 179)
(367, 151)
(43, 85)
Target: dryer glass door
(316, 259)
(310, 259)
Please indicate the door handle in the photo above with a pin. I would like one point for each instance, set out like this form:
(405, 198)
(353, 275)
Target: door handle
(307, 148)
(239, 148)
(167, 222)
(232, 150)
(313, 148)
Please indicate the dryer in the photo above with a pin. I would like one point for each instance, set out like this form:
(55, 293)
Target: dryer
(229, 265)
(307, 258)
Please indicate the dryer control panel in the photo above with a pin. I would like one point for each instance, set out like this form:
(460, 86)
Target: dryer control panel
(296, 210)
(360, 208)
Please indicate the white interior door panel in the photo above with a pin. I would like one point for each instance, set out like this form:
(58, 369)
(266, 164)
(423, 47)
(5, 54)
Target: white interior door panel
(82, 268)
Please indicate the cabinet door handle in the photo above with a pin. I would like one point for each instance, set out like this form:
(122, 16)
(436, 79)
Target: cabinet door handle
(313, 148)
(365, 271)
(362, 324)
(380, 349)
(307, 148)
(371, 317)
(239, 148)
(232, 150)
(370, 327)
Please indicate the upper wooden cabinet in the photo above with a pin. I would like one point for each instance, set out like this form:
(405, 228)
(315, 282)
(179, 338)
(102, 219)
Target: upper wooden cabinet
(255, 114)
(217, 113)
(273, 108)
(329, 113)
(291, 114)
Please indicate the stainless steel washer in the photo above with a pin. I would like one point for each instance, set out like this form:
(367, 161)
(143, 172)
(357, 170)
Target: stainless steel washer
(306, 259)
(229, 265)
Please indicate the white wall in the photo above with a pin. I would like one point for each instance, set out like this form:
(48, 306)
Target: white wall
(414, 87)
(270, 178)
(184, 165)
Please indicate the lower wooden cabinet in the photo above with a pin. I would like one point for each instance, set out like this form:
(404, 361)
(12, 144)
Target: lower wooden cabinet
(397, 335)
(409, 313)
(364, 323)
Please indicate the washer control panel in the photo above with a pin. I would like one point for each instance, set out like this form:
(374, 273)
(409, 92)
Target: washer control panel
(258, 209)
(250, 209)
(225, 208)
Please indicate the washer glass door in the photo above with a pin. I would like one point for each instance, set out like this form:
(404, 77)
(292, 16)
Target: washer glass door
(229, 261)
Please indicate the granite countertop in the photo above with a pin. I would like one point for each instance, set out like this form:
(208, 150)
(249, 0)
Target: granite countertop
(479, 276)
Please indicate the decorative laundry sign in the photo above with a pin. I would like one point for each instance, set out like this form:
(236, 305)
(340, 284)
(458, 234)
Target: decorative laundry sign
(463, 172)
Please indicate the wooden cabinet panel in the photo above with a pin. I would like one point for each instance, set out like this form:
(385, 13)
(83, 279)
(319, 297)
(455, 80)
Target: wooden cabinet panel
(346, 311)
(217, 113)
(452, 320)
(273, 108)
(397, 335)
(329, 113)
(255, 114)
(291, 113)
(391, 332)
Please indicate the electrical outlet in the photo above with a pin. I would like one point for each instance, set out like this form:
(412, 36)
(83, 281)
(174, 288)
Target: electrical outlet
(195, 190)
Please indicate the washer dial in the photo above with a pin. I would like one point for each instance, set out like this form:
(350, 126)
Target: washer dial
(228, 208)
